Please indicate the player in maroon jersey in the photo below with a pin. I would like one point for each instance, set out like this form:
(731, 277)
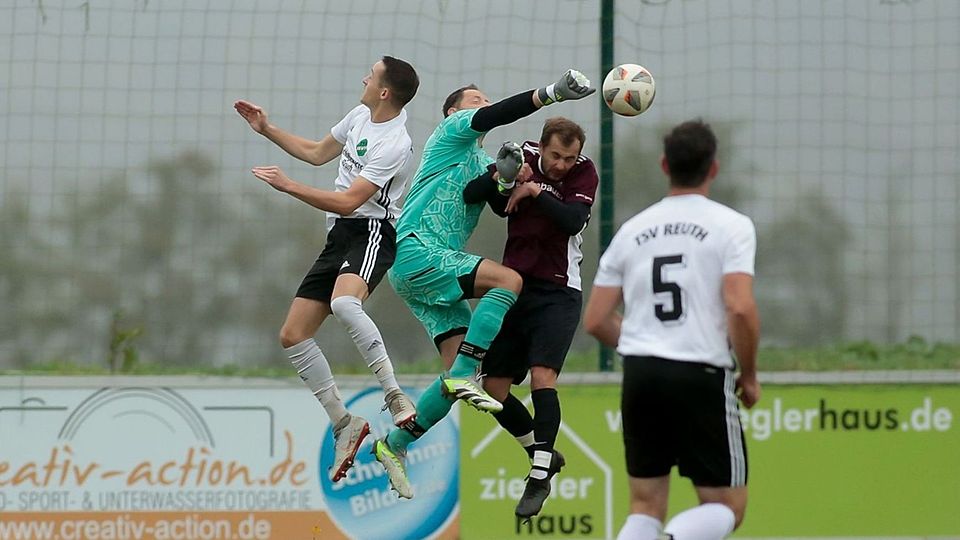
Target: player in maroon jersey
(545, 218)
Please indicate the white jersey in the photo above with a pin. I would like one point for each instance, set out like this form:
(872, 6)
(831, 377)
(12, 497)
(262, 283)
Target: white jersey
(380, 152)
(670, 260)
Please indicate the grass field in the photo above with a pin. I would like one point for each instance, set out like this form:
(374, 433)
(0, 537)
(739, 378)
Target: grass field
(915, 353)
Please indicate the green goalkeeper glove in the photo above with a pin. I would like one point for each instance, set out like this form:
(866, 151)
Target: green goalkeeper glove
(509, 162)
(572, 85)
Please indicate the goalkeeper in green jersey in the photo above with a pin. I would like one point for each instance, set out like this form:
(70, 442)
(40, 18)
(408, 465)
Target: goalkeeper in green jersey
(433, 274)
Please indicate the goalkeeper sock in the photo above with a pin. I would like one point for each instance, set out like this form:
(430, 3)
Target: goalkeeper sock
(484, 326)
(314, 371)
(431, 408)
(708, 521)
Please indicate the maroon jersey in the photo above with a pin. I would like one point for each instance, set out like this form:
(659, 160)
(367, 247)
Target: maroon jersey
(535, 245)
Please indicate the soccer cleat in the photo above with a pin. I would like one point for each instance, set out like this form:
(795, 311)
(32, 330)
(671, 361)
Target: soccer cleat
(534, 495)
(401, 407)
(471, 391)
(536, 491)
(394, 467)
(348, 435)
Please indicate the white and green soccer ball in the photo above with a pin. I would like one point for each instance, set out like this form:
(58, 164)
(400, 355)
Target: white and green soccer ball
(629, 89)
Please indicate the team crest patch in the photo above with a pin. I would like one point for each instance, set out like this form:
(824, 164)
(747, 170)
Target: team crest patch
(362, 147)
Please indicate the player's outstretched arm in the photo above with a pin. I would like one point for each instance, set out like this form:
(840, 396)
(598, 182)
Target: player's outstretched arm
(338, 202)
(572, 85)
(310, 151)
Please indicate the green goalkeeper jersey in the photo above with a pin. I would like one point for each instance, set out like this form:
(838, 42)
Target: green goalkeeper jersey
(434, 209)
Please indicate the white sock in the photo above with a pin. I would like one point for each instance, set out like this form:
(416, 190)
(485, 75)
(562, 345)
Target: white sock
(640, 527)
(366, 336)
(526, 441)
(710, 521)
(314, 371)
(541, 464)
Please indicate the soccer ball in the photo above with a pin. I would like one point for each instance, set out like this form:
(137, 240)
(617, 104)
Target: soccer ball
(628, 89)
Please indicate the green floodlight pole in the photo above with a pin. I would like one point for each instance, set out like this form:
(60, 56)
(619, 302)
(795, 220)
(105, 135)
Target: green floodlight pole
(606, 150)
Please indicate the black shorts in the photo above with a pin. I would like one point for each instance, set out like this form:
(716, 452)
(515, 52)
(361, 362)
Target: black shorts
(537, 331)
(365, 247)
(684, 414)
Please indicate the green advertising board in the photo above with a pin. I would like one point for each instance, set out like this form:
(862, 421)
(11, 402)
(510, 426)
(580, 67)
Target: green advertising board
(825, 461)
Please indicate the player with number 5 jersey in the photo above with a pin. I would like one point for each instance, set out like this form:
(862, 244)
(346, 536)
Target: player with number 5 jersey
(683, 270)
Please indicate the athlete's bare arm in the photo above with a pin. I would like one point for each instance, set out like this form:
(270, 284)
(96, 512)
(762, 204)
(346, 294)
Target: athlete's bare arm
(310, 151)
(743, 324)
(601, 320)
(339, 202)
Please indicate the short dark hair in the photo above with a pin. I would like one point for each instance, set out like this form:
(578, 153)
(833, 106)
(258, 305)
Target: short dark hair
(689, 149)
(566, 130)
(454, 99)
(401, 79)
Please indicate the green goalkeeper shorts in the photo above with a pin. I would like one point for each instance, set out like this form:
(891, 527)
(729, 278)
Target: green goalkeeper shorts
(432, 281)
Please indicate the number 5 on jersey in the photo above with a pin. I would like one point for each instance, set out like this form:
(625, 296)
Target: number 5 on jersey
(664, 286)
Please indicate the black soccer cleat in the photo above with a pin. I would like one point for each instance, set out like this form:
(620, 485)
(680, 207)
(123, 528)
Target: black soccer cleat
(535, 493)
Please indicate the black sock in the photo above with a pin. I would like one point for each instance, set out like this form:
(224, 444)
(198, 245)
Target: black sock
(516, 419)
(546, 424)
(546, 419)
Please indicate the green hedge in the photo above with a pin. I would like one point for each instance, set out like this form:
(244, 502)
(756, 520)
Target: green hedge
(915, 353)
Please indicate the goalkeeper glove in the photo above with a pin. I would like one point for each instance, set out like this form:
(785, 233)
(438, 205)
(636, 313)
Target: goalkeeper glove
(572, 85)
(509, 162)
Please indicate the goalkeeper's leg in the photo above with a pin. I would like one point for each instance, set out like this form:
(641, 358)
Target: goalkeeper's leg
(462, 381)
(499, 287)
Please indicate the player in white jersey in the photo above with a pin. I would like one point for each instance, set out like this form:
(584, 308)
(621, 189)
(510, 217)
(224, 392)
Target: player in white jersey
(683, 270)
(376, 160)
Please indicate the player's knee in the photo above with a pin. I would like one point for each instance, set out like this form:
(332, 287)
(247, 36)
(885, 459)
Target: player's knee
(737, 503)
(345, 306)
(290, 336)
(498, 387)
(542, 377)
(650, 505)
(512, 281)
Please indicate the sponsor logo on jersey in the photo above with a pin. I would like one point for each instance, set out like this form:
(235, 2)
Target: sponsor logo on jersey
(362, 147)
